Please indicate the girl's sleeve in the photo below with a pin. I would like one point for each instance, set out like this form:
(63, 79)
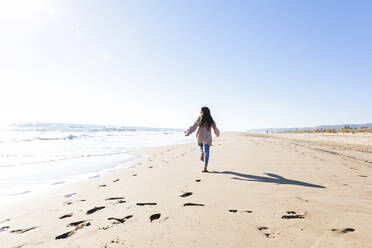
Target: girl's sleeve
(193, 127)
(215, 130)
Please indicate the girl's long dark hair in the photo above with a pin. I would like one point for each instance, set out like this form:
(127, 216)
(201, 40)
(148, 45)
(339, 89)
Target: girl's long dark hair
(206, 119)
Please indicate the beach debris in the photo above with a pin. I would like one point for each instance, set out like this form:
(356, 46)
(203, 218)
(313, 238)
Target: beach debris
(116, 180)
(146, 203)
(65, 216)
(233, 210)
(120, 220)
(154, 217)
(197, 180)
(193, 204)
(186, 194)
(102, 185)
(95, 209)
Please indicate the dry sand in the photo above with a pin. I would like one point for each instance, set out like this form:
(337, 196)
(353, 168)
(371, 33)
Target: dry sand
(263, 191)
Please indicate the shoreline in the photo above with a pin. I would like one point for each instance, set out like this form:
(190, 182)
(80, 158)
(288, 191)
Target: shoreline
(261, 192)
(44, 187)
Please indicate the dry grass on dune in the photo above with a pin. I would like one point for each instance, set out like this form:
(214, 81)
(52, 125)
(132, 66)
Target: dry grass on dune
(345, 129)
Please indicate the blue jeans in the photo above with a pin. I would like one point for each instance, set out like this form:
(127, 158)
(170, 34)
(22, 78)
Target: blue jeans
(206, 152)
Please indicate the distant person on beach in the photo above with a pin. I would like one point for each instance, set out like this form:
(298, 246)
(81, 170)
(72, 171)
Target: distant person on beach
(204, 124)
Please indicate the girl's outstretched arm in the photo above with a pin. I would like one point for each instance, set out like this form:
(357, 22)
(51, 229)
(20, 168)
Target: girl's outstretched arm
(193, 127)
(215, 130)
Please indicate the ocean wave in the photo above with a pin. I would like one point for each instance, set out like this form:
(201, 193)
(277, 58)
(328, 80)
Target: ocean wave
(67, 137)
(60, 127)
(64, 158)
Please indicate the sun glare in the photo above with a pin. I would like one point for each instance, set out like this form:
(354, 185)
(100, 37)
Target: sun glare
(20, 10)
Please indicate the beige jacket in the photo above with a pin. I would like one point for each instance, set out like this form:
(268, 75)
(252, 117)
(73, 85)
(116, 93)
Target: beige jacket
(203, 134)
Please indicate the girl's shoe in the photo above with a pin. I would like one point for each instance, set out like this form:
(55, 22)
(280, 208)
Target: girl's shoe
(205, 169)
(202, 156)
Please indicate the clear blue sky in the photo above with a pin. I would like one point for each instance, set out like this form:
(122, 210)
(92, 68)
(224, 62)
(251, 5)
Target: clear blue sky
(256, 64)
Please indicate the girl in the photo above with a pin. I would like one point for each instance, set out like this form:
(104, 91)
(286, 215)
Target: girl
(204, 123)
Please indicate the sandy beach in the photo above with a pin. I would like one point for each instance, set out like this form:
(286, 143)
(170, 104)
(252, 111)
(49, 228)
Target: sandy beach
(280, 190)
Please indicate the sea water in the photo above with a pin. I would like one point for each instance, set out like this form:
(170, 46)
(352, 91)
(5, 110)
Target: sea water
(34, 156)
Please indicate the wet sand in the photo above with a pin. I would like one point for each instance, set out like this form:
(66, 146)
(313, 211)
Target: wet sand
(262, 191)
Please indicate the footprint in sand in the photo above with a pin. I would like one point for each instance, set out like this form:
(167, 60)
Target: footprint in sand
(193, 204)
(146, 203)
(78, 225)
(4, 228)
(268, 233)
(197, 180)
(134, 175)
(69, 195)
(6, 220)
(114, 198)
(120, 220)
(95, 209)
(235, 211)
(292, 215)
(117, 199)
(116, 180)
(345, 230)
(154, 217)
(65, 216)
(301, 199)
(65, 235)
(102, 185)
(186, 194)
(19, 231)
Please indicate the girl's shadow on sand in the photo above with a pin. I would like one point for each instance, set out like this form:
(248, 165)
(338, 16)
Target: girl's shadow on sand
(271, 178)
